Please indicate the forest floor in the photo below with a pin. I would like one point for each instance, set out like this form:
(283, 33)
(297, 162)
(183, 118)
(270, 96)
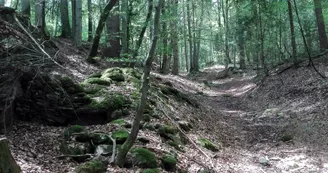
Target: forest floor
(278, 124)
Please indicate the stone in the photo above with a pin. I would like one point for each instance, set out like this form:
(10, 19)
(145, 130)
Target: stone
(264, 161)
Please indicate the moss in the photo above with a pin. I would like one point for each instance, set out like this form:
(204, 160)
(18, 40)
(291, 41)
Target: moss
(116, 74)
(69, 85)
(208, 144)
(144, 158)
(73, 129)
(112, 101)
(94, 166)
(120, 136)
(93, 89)
(169, 162)
(98, 138)
(286, 138)
(154, 170)
(97, 81)
(119, 122)
(166, 131)
(95, 75)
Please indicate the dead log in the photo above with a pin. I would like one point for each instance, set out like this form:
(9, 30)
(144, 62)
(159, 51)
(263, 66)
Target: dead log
(7, 162)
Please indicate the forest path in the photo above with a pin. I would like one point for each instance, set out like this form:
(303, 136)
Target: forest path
(255, 144)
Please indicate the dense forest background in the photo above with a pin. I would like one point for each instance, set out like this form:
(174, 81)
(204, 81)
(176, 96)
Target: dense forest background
(163, 86)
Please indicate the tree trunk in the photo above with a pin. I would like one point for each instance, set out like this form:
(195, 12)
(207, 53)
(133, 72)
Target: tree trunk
(113, 30)
(292, 31)
(144, 92)
(90, 24)
(2, 2)
(65, 27)
(26, 7)
(190, 38)
(78, 22)
(321, 25)
(7, 162)
(40, 17)
(185, 38)
(124, 17)
(174, 38)
(143, 30)
(166, 62)
(101, 24)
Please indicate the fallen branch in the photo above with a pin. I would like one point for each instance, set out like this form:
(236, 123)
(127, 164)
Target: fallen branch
(74, 156)
(182, 132)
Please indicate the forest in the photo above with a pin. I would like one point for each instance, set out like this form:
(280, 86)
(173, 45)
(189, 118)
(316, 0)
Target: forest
(151, 86)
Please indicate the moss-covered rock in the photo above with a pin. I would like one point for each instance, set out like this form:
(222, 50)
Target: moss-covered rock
(115, 74)
(120, 136)
(166, 131)
(98, 138)
(94, 166)
(144, 158)
(111, 101)
(286, 138)
(119, 122)
(92, 89)
(154, 170)
(98, 81)
(208, 145)
(73, 129)
(169, 162)
(70, 86)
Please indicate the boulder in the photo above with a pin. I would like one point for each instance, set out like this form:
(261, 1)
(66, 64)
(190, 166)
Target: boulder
(143, 158)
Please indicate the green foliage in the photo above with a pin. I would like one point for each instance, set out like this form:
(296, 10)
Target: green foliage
(208, 144)
(169, 162)
(144, 158)
(94, 166)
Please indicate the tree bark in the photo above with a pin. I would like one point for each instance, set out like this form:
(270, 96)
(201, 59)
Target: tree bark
(190, 38)
(113, 30)
(174, 38)
(124, 19)
(65, 27)
(2, 2)
(166, 60)
(7, 162)
(101, 24)
(26, 7)
(144, 92)
(321, 25)
(90, 24)
(292, 31)
(78, 22)
(185, 38)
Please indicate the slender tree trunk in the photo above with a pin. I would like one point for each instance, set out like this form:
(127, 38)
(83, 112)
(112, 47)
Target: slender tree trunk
(124, 17)
(292, 31)
(7, 162)
(73, 2)
(185, 38)
(262, 58)
(101, 24)
(40, 17)
(226, 38)
(2, 3)
(144, 92)
(190, 37)
(321, 25)
(90, 24)
(143, 30)
(174, 38)
(166, 59)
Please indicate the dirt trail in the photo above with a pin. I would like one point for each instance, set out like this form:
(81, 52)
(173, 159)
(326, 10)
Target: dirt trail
(255, 144)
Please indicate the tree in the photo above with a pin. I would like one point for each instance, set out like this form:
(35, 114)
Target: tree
(26, 7)
(65, 27)
(7, 162)
(143, 30)
(175, 37)
(77, 21)
(166, 58)
(124, 17)
(40, 17)
(90, 25)
(2, 3)
(144, 91)
(292, 31)
(321, 25)
(113, 31)
(104, 15)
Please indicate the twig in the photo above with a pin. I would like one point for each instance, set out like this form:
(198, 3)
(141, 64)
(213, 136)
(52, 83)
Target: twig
(37, 44)
(112, 159)
(190, 140)
(82, 155)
